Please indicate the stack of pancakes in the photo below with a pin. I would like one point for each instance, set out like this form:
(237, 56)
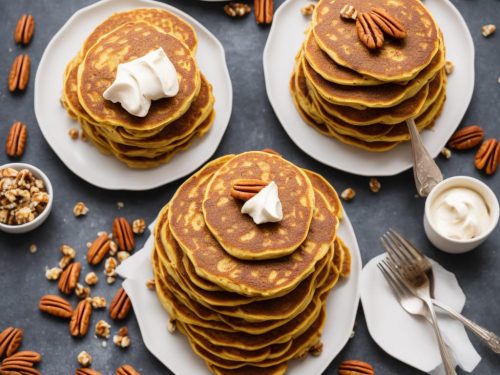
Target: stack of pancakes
(249, 297)
(172, 123)
(362, 97)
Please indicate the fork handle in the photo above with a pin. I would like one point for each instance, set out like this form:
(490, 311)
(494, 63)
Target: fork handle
(492, 340)
(449, 367)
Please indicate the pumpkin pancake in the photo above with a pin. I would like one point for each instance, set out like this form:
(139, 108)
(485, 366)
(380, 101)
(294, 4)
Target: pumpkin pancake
(396, 60)
(243, 238)
(279, 369)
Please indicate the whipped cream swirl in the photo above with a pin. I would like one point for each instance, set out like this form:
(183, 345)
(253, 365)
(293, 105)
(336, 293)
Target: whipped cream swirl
(265, 206)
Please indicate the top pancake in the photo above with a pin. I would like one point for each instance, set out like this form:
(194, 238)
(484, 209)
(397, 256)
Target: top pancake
(395, 60)
(130, 41)
(236, 232)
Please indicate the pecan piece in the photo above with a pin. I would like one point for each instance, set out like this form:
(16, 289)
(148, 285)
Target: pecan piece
(21, 363)
(389, 24)
(353, 367)
(244, 189)
(86, 371)
(120, 305)
(466, 138)
(19, 73)
(349, 13)
(123, 234)
(10, 340)
(488, 156)
(99, 249)
(237, 9)
(56, 306)
(264, 10)
(127, 370)
(16, 140)
(79, 324)
(368, 31)
(24, 29)
(69, 278)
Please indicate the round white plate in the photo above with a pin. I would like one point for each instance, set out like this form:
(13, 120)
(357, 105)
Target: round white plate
(173, 350)
(85, 160)
(285, 39)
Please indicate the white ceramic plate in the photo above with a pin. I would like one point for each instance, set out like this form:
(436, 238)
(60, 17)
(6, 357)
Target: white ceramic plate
(285, 39)
(174, 351)
(82, 158)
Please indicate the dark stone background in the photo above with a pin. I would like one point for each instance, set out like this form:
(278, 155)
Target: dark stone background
(253, 126)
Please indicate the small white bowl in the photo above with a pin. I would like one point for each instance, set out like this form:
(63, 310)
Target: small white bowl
(23, 228)
(454, 246)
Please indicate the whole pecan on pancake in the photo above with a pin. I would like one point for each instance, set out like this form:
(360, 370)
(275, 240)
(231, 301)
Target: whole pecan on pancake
(466, 138)
(120, 305)
(21, 363)
(16, 140)
(10, 340)
(69, 278)
(353, 367)
(123, 234)
(244, 189)
(98, 249)
(19, 73)
(368, 31)
(389, 24)
(488, 156)
(24, 29)
(56, 306)
(79, 324)
(127, 370)
(87, 371)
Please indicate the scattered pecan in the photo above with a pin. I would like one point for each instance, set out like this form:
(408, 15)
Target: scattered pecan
(98, 302)
(244, 189)
(16, 140)
(449, 67)
(79, 324)
(488, 156)
(81, 291)
(69, 278)
(120, 305)
(308, 9)
(488, 30)
(138, 226)
(22, 363)
(123, 234)
(19, 73)
(121, 339)
(10, 340)
(348, 194)
(99, 249)
(87, 371)
(353, 367)
(389, 24)
(127, 370)
(264, 10)
(237, 9)
(374, 185)
(84, 359)
(102, 329)
(446, 153)
(53, 273)
(466, 138)
(24, 29)
(316, 349)
(368, 31)
(73, 133)
(171, 325)
(348, 12)
(91, 278)
(80, 209)
(56, 306)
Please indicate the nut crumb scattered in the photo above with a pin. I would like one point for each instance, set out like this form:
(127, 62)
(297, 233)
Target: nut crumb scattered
(150, 284)
(80, 209)
(446, 153)
(348, 12)
(83, 136)
(81, 291)
(374, 185)
(449, 67)
(316, 349)
(237, 9)
(73, 133)
(68, 251)
(84, 359)
(102, 329)
(348, 194)
(53, 273)
(113, 248)
(308, 9)
(91, 278)
(138, 226)
(110, 266)
(98, 302)
(171, 326)
(120, 205)
(33, 248)
(111, 280)
(121, 339)
(122, 255)
(488, 30)
(65, 261)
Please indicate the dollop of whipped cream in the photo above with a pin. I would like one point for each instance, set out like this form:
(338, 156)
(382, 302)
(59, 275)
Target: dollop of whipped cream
(265, 206)
(138, 82)
(460, 213)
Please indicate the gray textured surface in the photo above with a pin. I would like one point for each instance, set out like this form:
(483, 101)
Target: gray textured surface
(253, 126)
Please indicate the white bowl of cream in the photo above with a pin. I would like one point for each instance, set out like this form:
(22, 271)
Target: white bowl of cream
(460, 213)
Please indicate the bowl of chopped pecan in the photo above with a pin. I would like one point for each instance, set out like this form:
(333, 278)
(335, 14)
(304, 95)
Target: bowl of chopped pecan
(25, 197)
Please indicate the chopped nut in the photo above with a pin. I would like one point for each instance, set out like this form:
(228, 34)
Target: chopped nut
(83, 136)
(53, 273)
(316, 349)
(84, 359)
(111, 279)
(68, 251)
(110, 266)
(102, 329)
(113, 248)
(123, 331)
(73, 133)
(348, 194)
(98, 302)
(488, 30)
(33, 248)
(121, 339)
(171, 325)
(237, 9)
(120, 205)
(91, 278)
(449, 67)
(348, 12)
(150, 284)
(374, 185)
(80, 209)
(81, 291)
(138, 226)
(65, 261)
(122, 255)
(308, 9)
(446, 153)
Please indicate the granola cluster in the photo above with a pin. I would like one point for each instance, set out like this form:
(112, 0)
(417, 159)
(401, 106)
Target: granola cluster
(22, 196)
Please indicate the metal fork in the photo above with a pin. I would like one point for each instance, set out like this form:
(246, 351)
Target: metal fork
(414, 256)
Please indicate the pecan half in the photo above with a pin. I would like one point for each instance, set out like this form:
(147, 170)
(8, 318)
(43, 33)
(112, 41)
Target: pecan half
(21, 363)
(389, 24)
(86, 371)
(24, 29)
(488, 156)
(353, 367)
(244, 189)
(19, 75)
(69, 278)
(99, 249)
(16, 140)
(127, 370)
(123, 234)
(120, 305)
(10, 340)
(466, 138)
(56, 306)
(368, 31)
(79, 324)
(264, 10)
